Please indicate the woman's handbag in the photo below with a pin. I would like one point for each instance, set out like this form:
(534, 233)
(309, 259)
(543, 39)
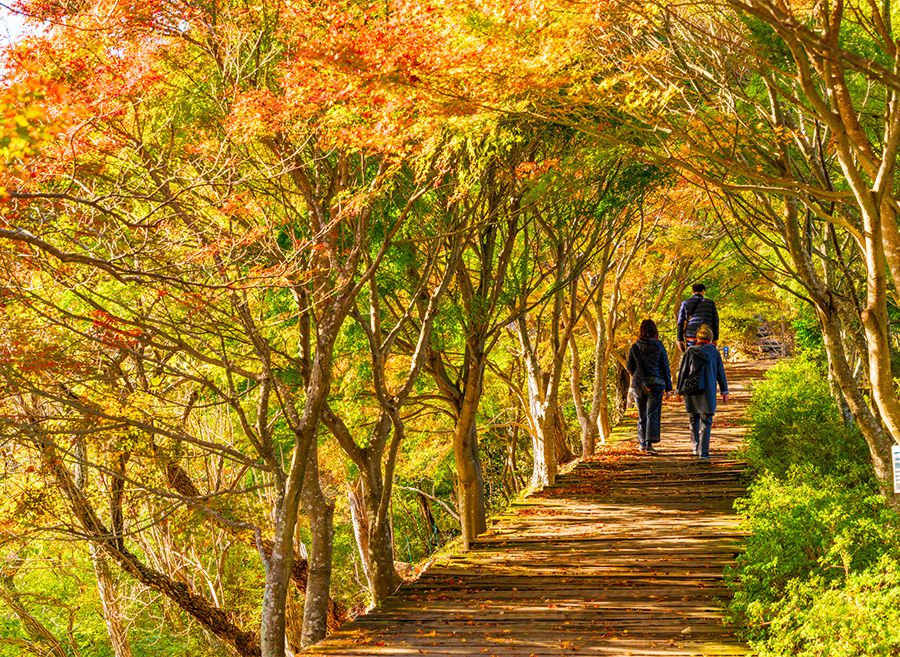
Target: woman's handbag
(691, 385)
(691, 380)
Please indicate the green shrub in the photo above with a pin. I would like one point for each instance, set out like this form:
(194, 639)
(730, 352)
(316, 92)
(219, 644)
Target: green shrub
(861, 617)
(795, 421)
(806, 526)
(820, 574)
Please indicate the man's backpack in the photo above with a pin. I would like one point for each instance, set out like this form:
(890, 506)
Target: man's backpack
(690, 375)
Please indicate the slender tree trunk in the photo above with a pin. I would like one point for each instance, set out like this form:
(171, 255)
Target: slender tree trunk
(543, 426)
(317, 604)
(891, 234)
(878, 441)
(216, 620)
(510, 468)
(383, 575)
(588, 435)
(375, 543)
(465, 400)
(44, 641)
(360, 522)
(564, 453)
(111, 603)
(623, 383)
(434, 532)
(604, 422)
(875, 322)
(543, 449)
(279, 565)
(320, 513)
(278, 571)
(470, 480)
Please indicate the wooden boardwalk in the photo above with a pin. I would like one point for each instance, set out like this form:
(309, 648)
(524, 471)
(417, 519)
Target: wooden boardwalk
(624, 555)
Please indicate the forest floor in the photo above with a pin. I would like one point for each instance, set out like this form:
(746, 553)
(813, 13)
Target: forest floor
(624, 555)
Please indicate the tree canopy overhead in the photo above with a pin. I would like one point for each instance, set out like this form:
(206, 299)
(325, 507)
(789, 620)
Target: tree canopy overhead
(293, 292)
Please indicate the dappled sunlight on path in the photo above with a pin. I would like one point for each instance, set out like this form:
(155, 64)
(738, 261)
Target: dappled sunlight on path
(624, 555)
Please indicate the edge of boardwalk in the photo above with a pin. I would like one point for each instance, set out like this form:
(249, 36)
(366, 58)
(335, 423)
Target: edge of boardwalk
(623, 555)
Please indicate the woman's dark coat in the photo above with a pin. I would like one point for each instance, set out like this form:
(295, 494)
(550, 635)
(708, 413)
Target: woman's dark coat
(704, 402)
(651, 355)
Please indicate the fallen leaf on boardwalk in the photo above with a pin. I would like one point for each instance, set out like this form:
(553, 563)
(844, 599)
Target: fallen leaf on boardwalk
(687, 630)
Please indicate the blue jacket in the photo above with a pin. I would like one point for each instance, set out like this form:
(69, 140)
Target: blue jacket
(696, 311)
(713, 372)
(648, 356)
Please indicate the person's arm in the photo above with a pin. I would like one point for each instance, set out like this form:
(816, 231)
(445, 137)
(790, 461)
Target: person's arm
(682, 317)
(720, 377)
(666, 371)
(715, 325)
(631, 365)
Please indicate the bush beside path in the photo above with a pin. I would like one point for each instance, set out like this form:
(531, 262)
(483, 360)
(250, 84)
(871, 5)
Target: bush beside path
(624, 555)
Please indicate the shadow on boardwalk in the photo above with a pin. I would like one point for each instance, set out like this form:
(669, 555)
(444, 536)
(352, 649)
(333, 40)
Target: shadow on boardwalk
(624, 555)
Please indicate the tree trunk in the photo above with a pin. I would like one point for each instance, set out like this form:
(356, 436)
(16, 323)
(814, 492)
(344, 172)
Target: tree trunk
(623, 383)
(317, 605)
(383, 578)
(604, 422)
(470, 481)
(878, 441)
(564, 453)
(279, 565)
(320, 513)
(216, 620)
(875, 322)
(543, 451)
(106, 585)
(375, 544)
(543, 429)
(39, 633)
(434, 531)
(110, 602)
(588, 435)
(278, 571)
(360, 522)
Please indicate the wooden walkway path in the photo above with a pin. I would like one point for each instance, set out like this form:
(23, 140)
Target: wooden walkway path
(624, 555)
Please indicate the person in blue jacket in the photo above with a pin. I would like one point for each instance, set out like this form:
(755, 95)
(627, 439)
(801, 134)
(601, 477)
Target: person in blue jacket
(648, 364)
(703, 360)
(693, 313)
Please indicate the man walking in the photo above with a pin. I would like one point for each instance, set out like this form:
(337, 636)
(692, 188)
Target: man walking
(695, 312)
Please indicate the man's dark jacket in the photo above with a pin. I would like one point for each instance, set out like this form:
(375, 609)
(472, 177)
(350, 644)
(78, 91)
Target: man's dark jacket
(696, 311)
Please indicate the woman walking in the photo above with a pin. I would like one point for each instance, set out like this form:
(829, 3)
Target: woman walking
(701, 369)
(648, 364)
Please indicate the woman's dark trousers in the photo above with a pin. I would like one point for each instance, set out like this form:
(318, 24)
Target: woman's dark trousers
(649, 405)
(701, 427)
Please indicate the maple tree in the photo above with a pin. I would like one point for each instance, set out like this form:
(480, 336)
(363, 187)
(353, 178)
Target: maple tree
(204, 242)
(250, 251)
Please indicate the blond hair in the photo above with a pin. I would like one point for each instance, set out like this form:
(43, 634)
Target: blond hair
(705, 333)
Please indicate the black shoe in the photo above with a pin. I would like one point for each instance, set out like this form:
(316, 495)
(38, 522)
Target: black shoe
(650, 450)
